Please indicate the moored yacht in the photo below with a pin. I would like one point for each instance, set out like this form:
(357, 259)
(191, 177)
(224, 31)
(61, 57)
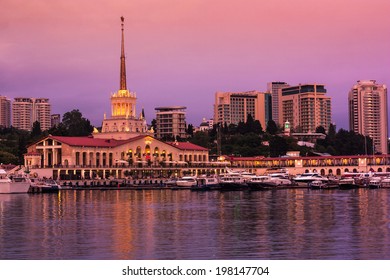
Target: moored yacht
(385, 183)
(306, 178)
(318, 184)
(13, 184)
(205, 183)
(374, 182)
(186, 181)
(268, 182)
(44, 185)
(231, 181)
(347, 184)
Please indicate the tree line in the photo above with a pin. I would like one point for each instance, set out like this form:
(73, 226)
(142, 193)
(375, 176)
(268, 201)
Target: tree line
(248, 139)
(14, 142)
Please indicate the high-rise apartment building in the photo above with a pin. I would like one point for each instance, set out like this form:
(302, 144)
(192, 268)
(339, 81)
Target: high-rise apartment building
(274, 88)
(305, 107)
(234, 107)
(171, 122)
(5, 112)
(26, 111)
(42, 112)
(55, 120)
(368, 112)
(22, 113)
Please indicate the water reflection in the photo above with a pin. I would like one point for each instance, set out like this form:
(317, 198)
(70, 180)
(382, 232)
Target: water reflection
(166, 224)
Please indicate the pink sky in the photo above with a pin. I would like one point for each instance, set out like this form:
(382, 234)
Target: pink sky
(180, 52)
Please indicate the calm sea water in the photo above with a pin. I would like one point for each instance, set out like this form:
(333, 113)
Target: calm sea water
(168, 224)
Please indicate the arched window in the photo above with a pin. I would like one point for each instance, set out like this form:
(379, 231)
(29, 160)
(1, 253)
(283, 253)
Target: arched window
(97, 159)
(156, 152)
(138, 152)
(147, 152)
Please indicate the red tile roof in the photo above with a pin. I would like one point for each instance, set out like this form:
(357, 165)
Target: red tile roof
(32, 154)
(187, 146)
(88, 141)
(232, 158)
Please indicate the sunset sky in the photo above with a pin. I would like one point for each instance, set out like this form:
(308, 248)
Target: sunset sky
(180, 52)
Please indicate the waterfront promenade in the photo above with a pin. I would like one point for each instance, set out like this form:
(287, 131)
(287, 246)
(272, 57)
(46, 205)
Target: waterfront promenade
(325, 165)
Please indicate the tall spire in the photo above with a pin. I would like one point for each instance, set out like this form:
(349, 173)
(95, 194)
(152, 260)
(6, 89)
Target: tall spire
(123, 64)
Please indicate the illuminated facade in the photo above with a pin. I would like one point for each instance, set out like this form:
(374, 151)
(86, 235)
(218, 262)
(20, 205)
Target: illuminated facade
(368, 112)
(124, 145)
(124, 122)
(83, 156)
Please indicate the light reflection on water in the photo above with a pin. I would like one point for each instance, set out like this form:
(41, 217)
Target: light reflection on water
(166, 224)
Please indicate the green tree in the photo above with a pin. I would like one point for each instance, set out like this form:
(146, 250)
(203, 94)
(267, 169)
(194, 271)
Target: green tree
(257, 128)
(58, 130)
(154, 126)
(6, 158)
(76, 124)
(320, 129)
(190, 130)
(272, 128)
(36, 130)
(278, 146)
(202, 139)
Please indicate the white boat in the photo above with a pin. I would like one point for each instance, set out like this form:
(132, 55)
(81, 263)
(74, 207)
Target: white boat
(171, 182)
(231, 181)
(385, 183)
(44, 185)
(375, 182)
(261, 183)
(306, 178)
(205, 183)
(347, 183)
(246, 176)
(186, 181)
(13, 184)
(208, 181)
(268, 182)
(317, 184)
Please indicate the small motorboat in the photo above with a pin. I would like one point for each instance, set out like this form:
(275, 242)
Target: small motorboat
(318, 184)
(347, 184)
(374, 183)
